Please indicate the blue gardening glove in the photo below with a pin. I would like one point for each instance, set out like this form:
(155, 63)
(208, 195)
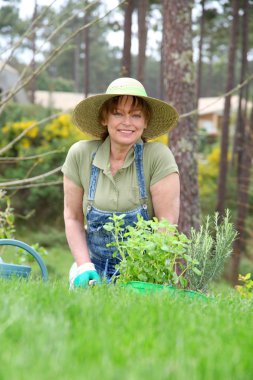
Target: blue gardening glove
(84, 274)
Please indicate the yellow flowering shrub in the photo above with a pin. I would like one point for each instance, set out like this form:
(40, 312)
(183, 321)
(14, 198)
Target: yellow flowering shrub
(208, 172)
(20, 126)
(12, 130)
(25, 143)
(246, 289)
(63, 128)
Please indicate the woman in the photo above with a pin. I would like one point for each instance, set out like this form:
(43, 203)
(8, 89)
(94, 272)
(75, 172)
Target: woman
(119, 173)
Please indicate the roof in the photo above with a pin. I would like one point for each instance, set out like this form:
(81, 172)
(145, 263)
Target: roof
(9, 78)
(64, 101)
(216, 105)
(7, 68)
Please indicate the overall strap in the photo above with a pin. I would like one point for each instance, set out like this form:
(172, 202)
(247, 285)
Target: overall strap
(93, 180)
(138, 154)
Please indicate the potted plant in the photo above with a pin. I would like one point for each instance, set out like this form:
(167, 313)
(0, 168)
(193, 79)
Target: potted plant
(154, 255)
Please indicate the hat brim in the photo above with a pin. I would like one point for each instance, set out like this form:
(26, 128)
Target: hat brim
(86, 116)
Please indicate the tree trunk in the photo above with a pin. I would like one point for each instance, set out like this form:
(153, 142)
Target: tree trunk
(240, 121)
(180, 91)
(86, 56)
(242, 199)
(162, 75)
(243, 146)
(207, 91)
(126, 59)
(76, 64)
(201, 37)
(221, 194)
(142, 37)
(33, 62)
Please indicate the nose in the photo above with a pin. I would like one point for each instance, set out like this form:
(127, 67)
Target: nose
(126, 119)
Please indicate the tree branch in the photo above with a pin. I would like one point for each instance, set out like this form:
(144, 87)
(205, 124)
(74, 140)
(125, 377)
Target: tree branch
(28, 180)
(235, 89)
(9, 160)
(22, 75)
(25, 35)
(53, 55)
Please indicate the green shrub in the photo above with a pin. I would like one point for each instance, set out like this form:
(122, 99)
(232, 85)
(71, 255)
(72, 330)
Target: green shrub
(15, 112)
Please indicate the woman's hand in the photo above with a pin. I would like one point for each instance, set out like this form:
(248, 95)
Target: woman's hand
(83, 276)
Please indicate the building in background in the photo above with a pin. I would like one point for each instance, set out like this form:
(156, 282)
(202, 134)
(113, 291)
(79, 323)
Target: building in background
(211, 113)
(9, 77)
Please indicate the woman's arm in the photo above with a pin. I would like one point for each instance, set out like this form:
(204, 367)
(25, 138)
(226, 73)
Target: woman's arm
(166, 198)
(74, 222)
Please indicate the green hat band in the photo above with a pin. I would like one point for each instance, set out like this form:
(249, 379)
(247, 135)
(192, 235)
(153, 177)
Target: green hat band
(128, 90)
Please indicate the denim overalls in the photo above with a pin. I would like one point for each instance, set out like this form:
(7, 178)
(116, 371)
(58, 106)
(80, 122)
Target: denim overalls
(97, 236)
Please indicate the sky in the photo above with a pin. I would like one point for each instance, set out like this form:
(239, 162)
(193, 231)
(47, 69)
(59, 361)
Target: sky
(115, 39)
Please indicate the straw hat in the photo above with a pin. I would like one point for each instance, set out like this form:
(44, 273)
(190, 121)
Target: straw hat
(86, 113)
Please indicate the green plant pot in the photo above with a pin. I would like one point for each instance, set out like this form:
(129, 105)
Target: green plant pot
(148, 287)
(10, 270)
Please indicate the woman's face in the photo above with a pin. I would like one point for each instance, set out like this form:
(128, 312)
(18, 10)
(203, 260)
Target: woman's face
(125, 124)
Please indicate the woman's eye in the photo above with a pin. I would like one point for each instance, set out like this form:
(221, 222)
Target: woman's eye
(136, 115)
(116, 113)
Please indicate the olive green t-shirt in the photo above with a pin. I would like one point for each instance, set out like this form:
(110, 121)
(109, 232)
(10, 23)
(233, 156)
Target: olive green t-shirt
(121, 192)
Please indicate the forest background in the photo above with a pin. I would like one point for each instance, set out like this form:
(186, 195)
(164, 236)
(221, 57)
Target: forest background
(181, 51)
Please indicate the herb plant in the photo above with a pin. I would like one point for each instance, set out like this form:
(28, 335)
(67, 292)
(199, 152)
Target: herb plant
(151, 251)
(7, 227)
(210, 246)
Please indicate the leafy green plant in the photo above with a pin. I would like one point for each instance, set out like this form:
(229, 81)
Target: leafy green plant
(246, 289)
(7, 218)
(151, 251)
(154, 251)
(210, 246)
(7, 230)
(25, 257)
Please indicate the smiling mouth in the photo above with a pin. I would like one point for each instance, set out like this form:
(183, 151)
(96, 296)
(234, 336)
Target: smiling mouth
(125, 131)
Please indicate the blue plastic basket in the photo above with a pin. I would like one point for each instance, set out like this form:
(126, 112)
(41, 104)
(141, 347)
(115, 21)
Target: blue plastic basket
(10, 270)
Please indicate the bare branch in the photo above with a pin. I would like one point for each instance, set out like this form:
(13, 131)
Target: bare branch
(9, 160)
(42, 184)
(28, 180)
(26, 68)
(25, 35)
(53, 55)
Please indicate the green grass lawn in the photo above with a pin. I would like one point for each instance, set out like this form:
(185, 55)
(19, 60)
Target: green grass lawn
(49, 332)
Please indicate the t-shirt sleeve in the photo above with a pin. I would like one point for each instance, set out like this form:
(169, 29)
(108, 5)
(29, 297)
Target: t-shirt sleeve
(162, 162)
(71, 165)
